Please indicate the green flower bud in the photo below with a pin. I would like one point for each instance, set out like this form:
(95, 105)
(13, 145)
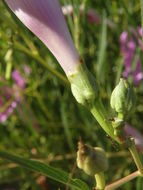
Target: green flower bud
(123, 98)
(83, 85)
(91, 160)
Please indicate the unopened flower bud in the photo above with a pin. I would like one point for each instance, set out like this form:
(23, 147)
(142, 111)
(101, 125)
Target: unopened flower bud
(91, 160)
(123, 98)
(83, 85)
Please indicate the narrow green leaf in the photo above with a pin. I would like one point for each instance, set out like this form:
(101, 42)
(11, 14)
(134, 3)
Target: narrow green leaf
(120, 64)
(49, 171)
(139, 183)
(102, 49)
(25, 50)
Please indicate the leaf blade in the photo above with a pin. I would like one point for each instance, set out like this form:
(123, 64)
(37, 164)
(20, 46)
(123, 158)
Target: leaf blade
(49, 171)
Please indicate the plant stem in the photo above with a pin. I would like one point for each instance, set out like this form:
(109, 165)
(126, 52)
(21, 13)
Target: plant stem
(99, 113)
(100, 181)
(122, 181)
(22, 48)
(135, 156)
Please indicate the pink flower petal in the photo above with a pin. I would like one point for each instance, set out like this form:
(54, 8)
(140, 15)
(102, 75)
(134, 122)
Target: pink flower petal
(19, 79)
(140, 31)
(3, 117)
(124, 38)
(27, 69)
(67, 10)
(14, 104)
(128, 49)
(131, 131)
(45, 19)
(93, 16)
(9, 111)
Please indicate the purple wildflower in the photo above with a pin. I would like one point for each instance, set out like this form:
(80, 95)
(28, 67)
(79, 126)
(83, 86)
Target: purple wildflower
(5, 103)
(45, 19)
(128, 49)
(19, 79)
(10, 97)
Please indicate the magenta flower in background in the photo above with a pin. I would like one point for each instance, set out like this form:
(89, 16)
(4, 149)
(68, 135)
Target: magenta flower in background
(131, 131)
(92, 16)
(10, 96)
(45, 19)
(7, 102)
(129, 46)
(5, 97)
(27, 70)
(19, 79)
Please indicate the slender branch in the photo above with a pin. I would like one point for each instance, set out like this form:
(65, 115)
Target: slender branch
(100, 181)
(122, 181)
(100, 115)
(135, 156)
(22, 48)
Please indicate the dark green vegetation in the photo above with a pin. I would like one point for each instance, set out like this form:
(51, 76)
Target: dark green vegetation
(48, 122)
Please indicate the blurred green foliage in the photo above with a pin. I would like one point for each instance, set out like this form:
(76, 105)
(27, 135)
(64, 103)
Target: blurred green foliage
(48, 123)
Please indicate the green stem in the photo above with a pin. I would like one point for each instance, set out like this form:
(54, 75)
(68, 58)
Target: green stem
(100, 181)
(135, 156)
(122, 181)
(85, 91)
(99, 113)
(36, 57)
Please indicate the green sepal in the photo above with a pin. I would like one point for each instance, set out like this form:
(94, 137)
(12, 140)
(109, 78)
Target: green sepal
(83, 85)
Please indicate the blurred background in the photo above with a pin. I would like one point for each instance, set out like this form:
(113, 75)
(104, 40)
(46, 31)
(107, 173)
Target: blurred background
(39, 117)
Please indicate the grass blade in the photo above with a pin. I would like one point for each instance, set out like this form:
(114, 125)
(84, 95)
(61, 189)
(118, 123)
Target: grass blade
(102, 49)
(51, 172)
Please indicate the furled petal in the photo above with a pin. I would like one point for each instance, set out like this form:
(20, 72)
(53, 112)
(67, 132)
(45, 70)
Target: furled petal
(45, 19)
